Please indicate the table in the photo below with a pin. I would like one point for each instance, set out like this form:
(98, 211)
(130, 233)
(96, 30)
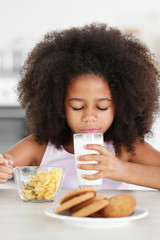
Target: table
(23, 221)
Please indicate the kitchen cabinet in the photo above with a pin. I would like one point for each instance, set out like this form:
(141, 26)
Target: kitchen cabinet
(12, 126)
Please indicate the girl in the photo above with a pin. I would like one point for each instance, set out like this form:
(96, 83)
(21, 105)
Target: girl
(89, 79)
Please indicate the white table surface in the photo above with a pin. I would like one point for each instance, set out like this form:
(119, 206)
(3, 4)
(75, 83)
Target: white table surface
(26, 221)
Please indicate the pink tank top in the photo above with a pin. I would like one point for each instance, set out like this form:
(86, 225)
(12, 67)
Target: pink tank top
(61, 158)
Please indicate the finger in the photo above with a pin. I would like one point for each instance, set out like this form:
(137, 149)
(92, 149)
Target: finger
(7, 159)
(3, 161)
(92, 176)
(5, 176)
(97, 147)
(96, 167)
(90, 157)
(10, 162)
(5, 169)
(3, 180)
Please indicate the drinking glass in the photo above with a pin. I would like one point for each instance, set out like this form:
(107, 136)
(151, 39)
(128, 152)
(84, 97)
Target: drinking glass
(79, 141)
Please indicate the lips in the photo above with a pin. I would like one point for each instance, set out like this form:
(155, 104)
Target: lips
(90, 130)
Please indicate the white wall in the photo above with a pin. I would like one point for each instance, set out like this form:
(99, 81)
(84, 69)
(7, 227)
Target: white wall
(24, 22)
(36, 17)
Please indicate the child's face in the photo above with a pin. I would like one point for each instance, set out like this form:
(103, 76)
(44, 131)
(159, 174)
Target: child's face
(88, 104)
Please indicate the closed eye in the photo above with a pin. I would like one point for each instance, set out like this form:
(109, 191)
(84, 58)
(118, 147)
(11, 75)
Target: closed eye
(102, 109)
(77, 109)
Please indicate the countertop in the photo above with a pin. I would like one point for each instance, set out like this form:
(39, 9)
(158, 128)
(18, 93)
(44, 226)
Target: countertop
(20, 220)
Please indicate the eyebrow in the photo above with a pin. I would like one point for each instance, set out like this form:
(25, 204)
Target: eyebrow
(81, 99)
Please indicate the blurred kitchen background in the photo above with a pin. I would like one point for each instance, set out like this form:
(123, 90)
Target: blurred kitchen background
(24, 22)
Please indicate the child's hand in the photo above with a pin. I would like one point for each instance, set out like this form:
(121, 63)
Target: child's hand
(5, 171)
(108, 166)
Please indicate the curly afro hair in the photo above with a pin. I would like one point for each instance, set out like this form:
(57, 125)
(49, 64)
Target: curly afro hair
(125, 63)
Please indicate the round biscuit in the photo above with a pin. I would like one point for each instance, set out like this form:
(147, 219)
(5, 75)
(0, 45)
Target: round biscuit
(97, 214)
(83, 204)
(121, 205)
(91, 208)
(77, 192)
(74, 201)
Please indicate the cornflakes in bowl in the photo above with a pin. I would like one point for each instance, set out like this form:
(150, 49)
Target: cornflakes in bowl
(38, 184)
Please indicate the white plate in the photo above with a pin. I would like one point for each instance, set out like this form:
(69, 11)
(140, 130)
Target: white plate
(96, 222)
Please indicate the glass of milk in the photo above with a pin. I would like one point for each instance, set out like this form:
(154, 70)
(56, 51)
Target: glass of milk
(79, 141)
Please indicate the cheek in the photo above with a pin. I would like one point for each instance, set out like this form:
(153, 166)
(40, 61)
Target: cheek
(107, 119)
(71, 118)
(68, 117)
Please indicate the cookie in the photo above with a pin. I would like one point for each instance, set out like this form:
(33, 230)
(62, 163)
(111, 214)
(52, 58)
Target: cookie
(77, 192)
(121, 205)
(97, 215)
(83, 204)
(74, 201)
(91, 208)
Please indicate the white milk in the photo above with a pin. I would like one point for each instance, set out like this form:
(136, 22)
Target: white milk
(79, 141)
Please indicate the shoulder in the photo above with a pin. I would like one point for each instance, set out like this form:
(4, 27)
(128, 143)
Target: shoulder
(144, 154)
(27, 151)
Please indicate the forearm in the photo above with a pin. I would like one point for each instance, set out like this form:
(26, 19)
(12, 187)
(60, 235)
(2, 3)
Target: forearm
(26, 152)
(143, 175)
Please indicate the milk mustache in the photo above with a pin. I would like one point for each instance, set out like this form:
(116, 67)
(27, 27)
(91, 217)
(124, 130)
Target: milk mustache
(79, 141)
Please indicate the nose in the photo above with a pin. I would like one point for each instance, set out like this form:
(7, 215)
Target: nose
(89, 115)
